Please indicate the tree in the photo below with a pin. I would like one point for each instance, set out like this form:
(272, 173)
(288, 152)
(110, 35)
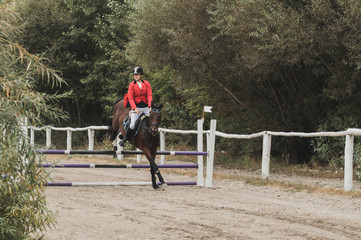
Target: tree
(279, 65)
(23, 210)
(265, 65)
(85, 40)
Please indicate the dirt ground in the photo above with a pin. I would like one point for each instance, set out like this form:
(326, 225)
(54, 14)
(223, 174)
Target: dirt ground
(231, 209)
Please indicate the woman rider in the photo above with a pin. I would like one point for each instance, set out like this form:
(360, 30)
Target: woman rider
(140, 100)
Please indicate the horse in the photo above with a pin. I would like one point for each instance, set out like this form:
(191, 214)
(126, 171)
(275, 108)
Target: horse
(147, 139)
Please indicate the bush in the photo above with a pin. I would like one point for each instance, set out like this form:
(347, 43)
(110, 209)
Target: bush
(23, 211)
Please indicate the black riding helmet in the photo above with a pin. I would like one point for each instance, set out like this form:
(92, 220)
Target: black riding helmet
(137, 70)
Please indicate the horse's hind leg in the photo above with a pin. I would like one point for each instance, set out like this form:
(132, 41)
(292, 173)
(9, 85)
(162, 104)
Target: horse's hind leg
(115, 147)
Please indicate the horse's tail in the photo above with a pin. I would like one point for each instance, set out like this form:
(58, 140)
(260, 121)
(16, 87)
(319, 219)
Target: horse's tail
(112, 133)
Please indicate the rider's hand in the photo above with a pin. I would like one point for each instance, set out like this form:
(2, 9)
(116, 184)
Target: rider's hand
(136, 110)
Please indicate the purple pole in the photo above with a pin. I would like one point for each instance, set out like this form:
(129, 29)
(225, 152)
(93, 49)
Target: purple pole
(180, 183)
(59, 184)
(52, 151)
(168, 166)
(116, 166)
(190, 153)
(69, 184)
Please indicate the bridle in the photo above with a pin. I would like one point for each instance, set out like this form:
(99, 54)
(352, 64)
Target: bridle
(154, 124)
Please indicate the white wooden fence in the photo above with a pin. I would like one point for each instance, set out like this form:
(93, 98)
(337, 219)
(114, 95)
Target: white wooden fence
(212, 133)
(266, 151)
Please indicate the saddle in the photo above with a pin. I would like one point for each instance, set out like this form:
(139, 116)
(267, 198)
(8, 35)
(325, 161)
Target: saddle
(138, 123)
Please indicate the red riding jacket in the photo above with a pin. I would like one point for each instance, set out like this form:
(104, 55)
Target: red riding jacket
(139, 97)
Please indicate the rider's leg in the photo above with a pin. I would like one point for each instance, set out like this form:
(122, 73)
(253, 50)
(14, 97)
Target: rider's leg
(134, 118)
(146, 111)
(127, 136)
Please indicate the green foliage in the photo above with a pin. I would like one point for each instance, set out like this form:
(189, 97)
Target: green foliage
(23, 210)
(330, 151)
(85, 40)
(176, 113)
(23, 207)
(283, 66)
(264, 65)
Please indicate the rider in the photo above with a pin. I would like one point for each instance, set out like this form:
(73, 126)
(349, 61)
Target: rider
(140, 100)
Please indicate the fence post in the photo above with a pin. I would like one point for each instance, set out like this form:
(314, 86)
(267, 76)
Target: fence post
(4, 134)
(91, 140)
(24, 126)
(208, 134)
(212, 138)
(348, 162)
(139, 157)
(48, 137)
(162, 146)
(32, 136)
(68, 139)
(200, 179)
(266, 155)
(120, 157)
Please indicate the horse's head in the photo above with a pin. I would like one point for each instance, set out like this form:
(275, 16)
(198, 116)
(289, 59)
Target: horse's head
(154, 119)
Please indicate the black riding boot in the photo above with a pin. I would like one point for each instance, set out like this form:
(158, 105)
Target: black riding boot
(127, 136)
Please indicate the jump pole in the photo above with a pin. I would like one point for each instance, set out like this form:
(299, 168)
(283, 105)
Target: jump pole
(75, 184)
(116, 166)
(119, 166)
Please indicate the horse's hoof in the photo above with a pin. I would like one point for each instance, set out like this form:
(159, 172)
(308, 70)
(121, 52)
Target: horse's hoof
(159, 187)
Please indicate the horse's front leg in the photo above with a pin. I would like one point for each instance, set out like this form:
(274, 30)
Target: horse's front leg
(161, 180)
(154, 179)
(154, 170)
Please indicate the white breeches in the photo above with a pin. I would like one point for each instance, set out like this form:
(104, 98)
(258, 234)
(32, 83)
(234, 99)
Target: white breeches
(135, 116)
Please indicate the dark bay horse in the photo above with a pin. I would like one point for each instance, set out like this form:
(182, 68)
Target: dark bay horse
(147, 139)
